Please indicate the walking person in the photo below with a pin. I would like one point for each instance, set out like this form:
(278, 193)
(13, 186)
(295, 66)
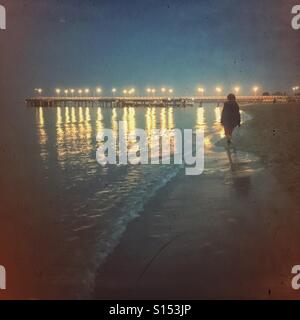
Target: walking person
(231, 117)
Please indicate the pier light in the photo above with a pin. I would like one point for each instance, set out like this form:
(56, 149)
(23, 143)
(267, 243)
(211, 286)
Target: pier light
(66, 92)
(125, 91)
(38, 90)
(218, 90)
(255, 89)
(98, 90)
(57, 91)
(153, 91)
(201, 90)
(80, 92)
(163, 90)
(171, 90)
(114, 90)
(295, 89)
(86, 91)
(237, 89)
(72, 91)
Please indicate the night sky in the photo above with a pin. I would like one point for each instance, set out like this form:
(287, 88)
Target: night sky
(176, 43)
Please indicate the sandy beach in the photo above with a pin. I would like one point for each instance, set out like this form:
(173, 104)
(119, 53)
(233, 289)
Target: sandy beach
(232, 232)
(273, 135)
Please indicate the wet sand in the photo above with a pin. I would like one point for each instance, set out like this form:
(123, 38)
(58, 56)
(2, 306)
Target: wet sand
(232, 232)
(274, 136)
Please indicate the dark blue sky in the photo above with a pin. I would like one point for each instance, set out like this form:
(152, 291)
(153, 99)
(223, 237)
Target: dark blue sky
(182, 44)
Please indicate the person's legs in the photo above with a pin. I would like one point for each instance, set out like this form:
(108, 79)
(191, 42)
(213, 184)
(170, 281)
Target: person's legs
(228, 134)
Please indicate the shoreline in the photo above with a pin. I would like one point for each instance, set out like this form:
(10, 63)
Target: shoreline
(174, 250)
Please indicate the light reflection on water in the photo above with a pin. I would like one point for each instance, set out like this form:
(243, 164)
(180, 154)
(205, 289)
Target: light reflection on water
(98, 202)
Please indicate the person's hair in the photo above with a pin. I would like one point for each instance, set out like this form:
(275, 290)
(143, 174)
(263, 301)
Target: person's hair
(231, 97)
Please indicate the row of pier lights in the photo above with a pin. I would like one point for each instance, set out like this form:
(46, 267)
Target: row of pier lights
(132, 91)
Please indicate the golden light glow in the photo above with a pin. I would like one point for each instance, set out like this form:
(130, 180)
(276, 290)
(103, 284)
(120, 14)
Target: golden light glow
(73, 115)
(131, 91)
(99, 124)
(114, 90)
(218, 89)
(163, 90)
(201, 90)
(87, 115)
(218, 114)
(42, 135)
(255, 89)
(57, 91)
(58, 116)
(200, 118)
(99, 90)
(41, 117)
(237, 89)
(131, 120)
(148, 120)
(73, 134)
(81, 119)
(163, 119)
(67, 115)
(171, 90)
(114, 122)
(170, 118)
(87, 90)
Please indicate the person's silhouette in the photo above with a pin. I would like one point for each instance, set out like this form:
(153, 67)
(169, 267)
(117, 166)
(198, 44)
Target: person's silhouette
(231, 117)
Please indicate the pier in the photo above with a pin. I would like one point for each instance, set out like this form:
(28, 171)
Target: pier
(143, 101)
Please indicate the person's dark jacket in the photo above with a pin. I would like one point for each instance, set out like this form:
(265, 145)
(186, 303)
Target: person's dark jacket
(231, 114)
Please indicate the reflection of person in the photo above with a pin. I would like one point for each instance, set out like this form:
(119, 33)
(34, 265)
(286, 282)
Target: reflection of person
(230, 116)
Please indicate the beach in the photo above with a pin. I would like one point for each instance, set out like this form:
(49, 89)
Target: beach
(232, 232)
(274, 137)
(76, 230)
